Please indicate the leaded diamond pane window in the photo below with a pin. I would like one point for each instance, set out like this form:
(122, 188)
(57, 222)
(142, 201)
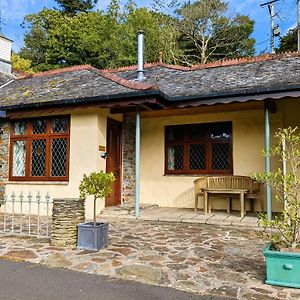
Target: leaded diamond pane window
(199, 148)
(175, 133)
(20, 128)
(19, 158)
(39, 126)
(60, 125)
(197, 157)
(175, 157)
(221, 131)
(40, 149)
(196, 132)
(38, 158)
(59, 157)
(220, 156)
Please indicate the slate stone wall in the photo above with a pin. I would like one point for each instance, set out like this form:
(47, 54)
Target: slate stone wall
(66, 215)
(128, 143)
(4, 155)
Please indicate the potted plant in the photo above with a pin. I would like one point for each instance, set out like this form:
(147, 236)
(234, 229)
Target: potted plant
(94, 235)
(282, 254)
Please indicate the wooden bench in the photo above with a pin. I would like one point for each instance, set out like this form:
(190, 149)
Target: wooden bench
(243, 186)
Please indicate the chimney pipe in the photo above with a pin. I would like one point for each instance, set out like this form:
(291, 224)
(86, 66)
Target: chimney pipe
(141, 71)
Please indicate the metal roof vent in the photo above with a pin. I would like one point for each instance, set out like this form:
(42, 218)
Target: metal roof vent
(141, 71)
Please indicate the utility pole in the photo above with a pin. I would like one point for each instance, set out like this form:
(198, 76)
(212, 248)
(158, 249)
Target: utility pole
(272, 26)
(298, 5)
(1, 21)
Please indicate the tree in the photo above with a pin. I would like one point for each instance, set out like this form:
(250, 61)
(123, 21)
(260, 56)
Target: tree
(103, 39)
(21, 64)
(72, 7)
(97, 184)
(209, 33)
(289, 41)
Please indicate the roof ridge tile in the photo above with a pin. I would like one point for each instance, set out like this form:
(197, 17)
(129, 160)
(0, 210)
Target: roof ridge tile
(56, 71)
(216, 64)
(106, 74)
(136, 85)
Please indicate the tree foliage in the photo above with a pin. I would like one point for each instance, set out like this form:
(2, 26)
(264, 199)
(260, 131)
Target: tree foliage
(61, 38)
(72, 7)
(289, 41)
(21, 64)
(209, 33)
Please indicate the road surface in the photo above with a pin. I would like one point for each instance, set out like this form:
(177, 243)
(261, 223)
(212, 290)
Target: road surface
(24, 281)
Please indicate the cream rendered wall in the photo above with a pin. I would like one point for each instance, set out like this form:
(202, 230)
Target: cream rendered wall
(87, 132)
(177, 190)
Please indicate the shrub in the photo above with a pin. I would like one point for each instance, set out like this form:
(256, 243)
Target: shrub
(97, 184)
(284, 231)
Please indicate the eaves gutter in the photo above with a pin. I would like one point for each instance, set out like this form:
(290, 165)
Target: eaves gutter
(102, 99)
(246, 93)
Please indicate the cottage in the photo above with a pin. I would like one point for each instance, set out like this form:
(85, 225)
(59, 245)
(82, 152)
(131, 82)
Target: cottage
(156, 128)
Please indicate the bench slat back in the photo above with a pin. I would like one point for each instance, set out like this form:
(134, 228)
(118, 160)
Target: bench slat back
(227, 182)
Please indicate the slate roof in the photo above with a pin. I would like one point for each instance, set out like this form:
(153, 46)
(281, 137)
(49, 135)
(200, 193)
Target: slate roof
(4, 78)
(217, 79)
(68, 85)
(262, 75)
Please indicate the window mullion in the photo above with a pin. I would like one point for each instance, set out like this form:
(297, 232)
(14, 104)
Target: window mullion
(28, 157)
(48, 149)
(48, 157)
(208, 148)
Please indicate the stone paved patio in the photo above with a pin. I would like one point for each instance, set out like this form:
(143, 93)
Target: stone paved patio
(201, 258)
(183, 215)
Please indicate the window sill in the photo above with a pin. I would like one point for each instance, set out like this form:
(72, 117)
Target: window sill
(186, 175)
(197, 175)
(38, 182)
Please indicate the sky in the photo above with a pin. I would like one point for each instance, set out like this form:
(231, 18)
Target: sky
(14, 11)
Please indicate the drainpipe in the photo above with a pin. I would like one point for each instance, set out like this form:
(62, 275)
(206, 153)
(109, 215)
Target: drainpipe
(140, 77)
(268, 159)
(141, 71)
(137, 164)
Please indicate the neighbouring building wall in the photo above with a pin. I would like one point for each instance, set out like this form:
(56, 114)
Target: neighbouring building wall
(177, 190)
(87, 132)
(128, 158)
(4, 154)
(5, 55)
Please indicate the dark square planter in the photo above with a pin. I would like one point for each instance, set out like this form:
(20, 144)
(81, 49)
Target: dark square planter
(92, 237)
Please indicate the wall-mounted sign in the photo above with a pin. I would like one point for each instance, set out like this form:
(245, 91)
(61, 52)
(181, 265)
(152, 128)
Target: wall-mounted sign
(102, 148)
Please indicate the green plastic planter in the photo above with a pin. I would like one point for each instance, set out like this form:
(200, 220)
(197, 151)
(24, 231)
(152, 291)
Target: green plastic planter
(283, 268)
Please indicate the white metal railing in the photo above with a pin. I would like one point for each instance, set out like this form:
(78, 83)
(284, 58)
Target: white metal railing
(25, 216)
